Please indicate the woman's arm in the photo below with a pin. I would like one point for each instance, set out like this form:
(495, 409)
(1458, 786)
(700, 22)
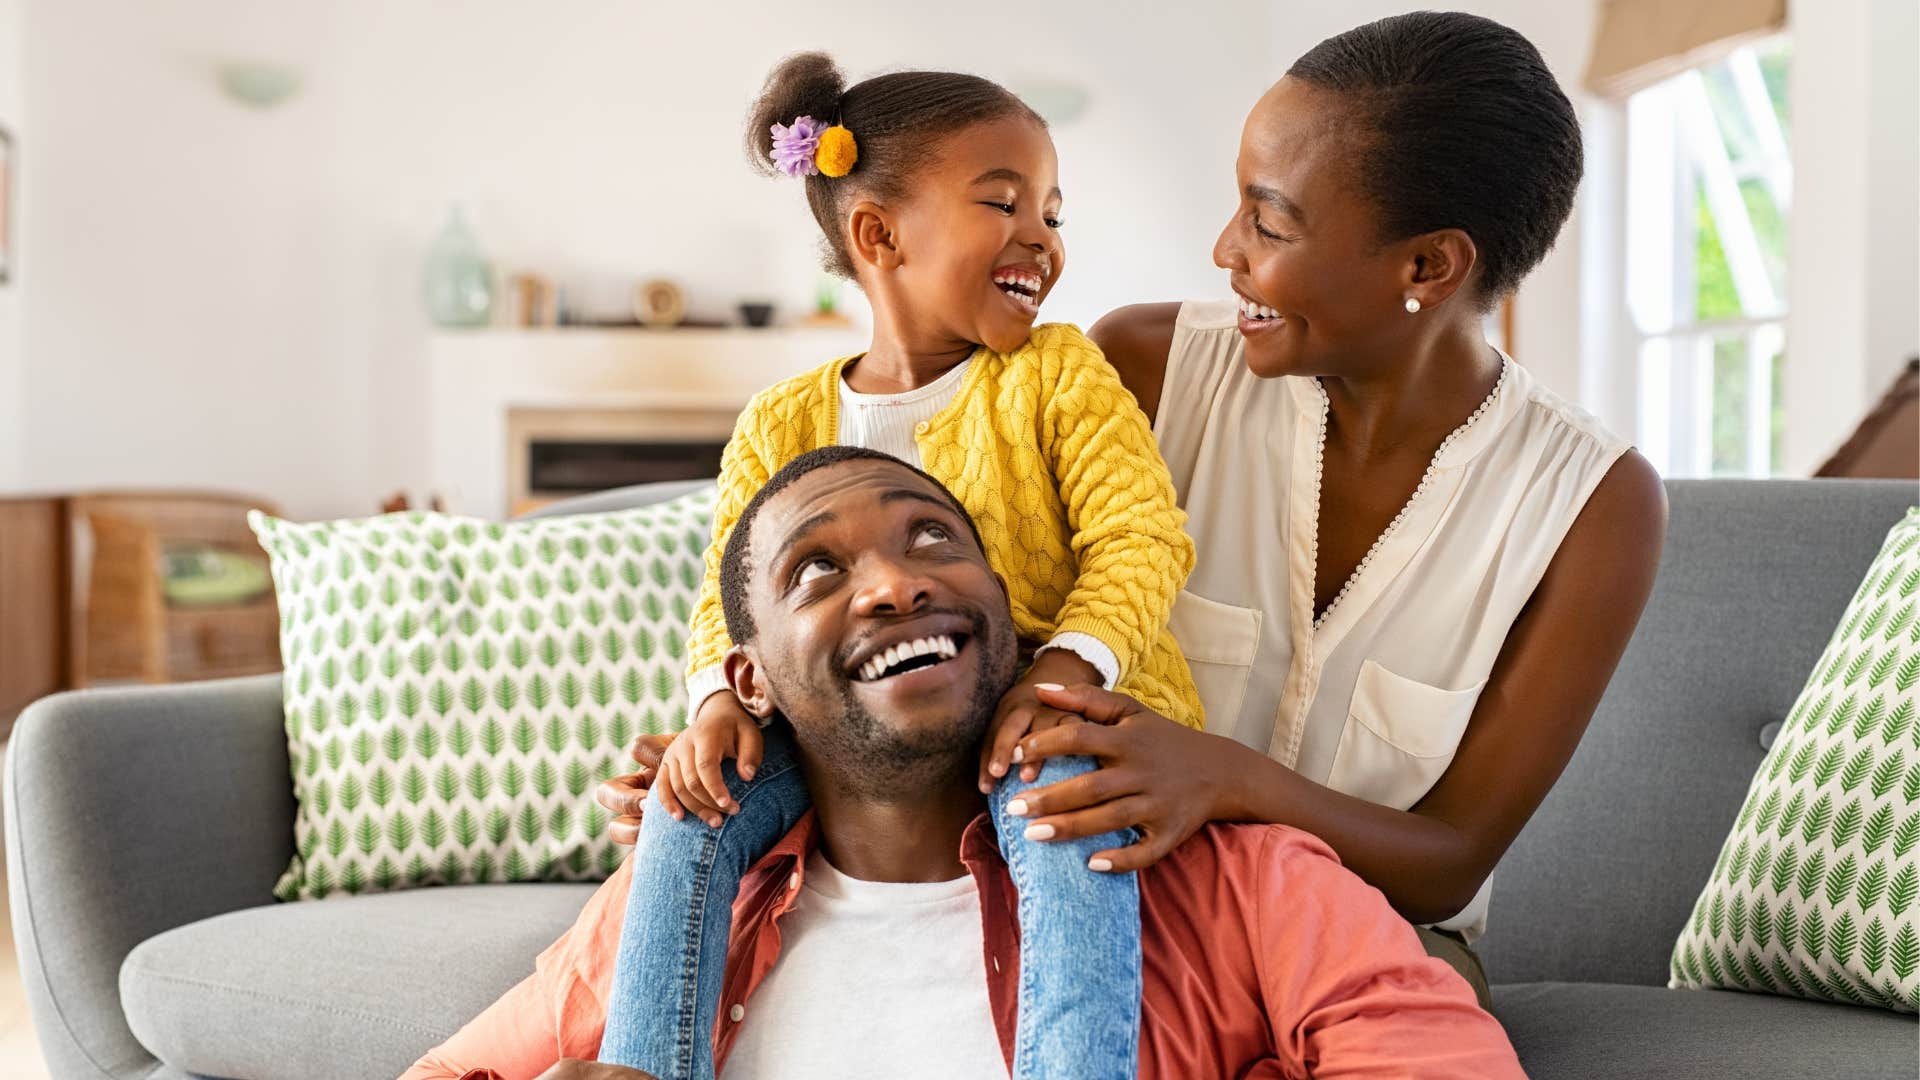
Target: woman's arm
(1430, 860)
(1136, 340)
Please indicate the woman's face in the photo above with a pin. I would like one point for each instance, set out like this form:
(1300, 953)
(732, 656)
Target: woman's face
(1319, 294)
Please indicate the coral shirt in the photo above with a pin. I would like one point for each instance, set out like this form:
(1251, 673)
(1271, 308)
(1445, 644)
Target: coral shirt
(1264, 958)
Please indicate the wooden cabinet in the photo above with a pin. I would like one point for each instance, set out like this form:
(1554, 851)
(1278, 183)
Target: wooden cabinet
(34, 574)
(89, 593)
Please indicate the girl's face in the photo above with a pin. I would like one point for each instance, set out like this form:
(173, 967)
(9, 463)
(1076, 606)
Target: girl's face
(979, 238)
(1316, 288)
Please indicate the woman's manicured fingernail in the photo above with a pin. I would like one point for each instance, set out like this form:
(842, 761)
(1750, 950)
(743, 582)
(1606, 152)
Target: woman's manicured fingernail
(1102, 865)
(986, 788)
(1019, 754)
(1000, 768)
(1048, 686)
(1018, 808)
(1039, 832)
(746, 772)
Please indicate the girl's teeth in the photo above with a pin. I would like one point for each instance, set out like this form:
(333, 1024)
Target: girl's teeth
(1029, 284)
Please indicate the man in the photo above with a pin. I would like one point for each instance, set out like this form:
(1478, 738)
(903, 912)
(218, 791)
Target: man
(879, 937)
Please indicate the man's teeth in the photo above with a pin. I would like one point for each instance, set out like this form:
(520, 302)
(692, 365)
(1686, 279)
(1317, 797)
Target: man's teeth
(1024, 282)
(941, 647)
(1256, 311)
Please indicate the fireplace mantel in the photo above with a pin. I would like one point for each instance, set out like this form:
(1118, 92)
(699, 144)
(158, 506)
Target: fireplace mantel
(664, 380)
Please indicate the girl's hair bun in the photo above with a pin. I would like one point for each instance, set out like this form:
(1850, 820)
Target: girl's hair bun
(805, 84)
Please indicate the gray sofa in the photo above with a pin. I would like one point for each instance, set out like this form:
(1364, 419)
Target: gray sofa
(145, 828)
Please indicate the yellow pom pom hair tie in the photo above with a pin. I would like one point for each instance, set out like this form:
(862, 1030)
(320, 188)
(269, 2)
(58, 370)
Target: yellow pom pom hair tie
(809, 148)
(837, 152)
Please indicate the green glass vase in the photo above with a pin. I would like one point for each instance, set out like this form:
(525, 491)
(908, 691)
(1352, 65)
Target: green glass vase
(458, 281)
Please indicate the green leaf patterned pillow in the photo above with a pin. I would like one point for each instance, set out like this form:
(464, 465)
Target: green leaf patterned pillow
(1815, 893)
(455, 688)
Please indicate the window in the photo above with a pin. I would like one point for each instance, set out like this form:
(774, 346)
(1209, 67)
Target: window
(1709, 194)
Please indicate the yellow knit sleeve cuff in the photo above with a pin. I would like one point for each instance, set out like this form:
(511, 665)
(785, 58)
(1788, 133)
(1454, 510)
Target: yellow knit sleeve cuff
(1100, 631)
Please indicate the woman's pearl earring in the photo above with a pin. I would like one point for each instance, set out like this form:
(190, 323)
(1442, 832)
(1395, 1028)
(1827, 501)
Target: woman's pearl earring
(1413, 305)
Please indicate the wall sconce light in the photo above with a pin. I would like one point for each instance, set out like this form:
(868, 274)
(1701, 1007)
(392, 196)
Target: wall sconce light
(259, 84)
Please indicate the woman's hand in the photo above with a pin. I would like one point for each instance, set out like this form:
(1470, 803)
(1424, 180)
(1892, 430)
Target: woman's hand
(625, 797)
(1022, 712)
(1156, 776)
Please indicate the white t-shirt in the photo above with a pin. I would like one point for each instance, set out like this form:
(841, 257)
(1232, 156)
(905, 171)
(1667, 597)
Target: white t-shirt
(890, 423)
(875, 979)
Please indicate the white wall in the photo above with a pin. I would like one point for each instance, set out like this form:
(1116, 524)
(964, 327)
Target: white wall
(190, 271)
(13, 305)
(228, 298)
(1854, 285)
(1893, 190)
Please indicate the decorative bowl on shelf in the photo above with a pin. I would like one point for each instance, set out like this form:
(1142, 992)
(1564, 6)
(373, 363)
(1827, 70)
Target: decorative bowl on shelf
(660, 302)
(756, 313)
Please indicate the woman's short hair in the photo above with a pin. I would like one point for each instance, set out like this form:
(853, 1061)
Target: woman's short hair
(1465, 128)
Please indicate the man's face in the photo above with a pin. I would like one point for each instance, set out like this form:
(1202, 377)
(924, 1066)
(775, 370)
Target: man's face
(882, 634)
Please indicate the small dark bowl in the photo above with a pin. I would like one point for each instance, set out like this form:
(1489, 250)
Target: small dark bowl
(757, 314)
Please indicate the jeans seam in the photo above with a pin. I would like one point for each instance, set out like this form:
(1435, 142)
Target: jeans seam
(684, 1051)
(686, 1041)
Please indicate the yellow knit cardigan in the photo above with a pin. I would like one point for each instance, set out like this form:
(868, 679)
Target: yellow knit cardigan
(1057, 464)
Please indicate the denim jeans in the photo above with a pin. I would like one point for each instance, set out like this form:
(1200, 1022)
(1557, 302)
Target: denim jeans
(1079, 993)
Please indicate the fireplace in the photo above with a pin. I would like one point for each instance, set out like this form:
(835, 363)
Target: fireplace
(555, 453)
(568, 467)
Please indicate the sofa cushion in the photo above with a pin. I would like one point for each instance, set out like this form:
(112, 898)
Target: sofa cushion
(1815, 891)
(1584, 1030)
(454, 687)
(347, 987)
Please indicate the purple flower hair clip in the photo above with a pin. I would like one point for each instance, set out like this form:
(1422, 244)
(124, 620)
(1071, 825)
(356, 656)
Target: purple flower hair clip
(794, 146)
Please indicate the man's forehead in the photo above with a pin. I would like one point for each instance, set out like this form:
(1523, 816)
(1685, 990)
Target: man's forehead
(830, 492)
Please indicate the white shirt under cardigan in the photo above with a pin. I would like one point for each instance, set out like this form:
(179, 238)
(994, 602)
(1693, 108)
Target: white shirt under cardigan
(888, 423)
(1374, 700)
(876, 980)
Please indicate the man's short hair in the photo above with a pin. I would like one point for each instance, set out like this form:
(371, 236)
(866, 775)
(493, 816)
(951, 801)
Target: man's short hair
(736, 560)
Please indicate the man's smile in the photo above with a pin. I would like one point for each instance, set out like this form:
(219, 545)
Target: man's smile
(916, 655)
(912, 656)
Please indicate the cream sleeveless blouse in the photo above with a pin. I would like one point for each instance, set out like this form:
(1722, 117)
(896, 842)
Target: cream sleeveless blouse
(1372, 702)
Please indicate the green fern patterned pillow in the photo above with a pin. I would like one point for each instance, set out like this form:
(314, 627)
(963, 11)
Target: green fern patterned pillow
(455, 688)
(1815, 891)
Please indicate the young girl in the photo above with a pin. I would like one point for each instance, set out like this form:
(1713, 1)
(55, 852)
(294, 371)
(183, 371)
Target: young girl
(937, 194)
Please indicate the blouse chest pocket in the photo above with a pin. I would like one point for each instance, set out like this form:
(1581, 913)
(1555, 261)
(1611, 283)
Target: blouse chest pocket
(1219, 641)
(1400, 737)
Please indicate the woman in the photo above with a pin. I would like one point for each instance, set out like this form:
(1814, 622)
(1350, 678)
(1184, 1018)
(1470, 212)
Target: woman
(1443, 560)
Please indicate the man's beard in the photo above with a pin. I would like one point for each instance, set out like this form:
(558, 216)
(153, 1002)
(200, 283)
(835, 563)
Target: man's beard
(878, 761)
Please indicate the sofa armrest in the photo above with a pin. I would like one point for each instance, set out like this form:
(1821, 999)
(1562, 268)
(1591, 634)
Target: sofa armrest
(129, 812)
